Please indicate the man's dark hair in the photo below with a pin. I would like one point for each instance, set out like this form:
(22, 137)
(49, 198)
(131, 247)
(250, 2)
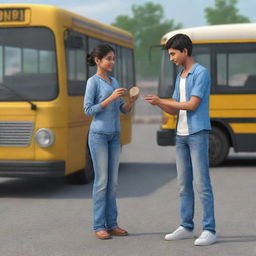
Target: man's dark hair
(179, 42)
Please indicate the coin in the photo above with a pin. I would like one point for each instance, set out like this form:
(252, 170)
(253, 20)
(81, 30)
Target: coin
(134, 91)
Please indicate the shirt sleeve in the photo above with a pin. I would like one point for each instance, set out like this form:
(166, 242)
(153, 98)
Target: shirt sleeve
(121, 104)
(90, 108)
(175, 95)
(201, 84)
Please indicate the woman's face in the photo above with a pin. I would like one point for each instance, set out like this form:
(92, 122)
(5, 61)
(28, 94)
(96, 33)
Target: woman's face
(107, 62)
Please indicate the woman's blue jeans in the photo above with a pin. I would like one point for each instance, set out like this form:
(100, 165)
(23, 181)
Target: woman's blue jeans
(105, 151)
(192, 162)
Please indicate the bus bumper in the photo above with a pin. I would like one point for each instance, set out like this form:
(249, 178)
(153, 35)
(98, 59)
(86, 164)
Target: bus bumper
(166, 137)
(32, 168)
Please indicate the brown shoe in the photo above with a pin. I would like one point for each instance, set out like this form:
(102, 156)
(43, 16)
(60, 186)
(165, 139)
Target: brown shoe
(118, 232)
(102, 234)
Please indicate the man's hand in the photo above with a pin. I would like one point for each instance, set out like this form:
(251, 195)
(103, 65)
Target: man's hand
(152, 99)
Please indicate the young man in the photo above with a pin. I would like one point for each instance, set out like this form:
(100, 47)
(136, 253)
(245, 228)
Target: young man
(190, 101)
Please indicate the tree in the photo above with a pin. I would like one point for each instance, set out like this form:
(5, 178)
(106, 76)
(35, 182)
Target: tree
(147, 25)
(224, 12)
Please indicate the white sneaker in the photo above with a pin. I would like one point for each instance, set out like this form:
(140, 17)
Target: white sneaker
(178, 234)
(206, 238)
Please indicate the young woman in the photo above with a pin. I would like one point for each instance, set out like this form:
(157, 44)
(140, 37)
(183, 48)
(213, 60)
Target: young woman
(103, 101)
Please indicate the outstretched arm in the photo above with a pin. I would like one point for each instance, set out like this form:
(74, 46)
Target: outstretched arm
(128, 105)
(172, 106)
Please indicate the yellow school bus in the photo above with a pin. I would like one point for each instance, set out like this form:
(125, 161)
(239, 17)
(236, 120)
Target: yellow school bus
(229, 54)
(43, 72)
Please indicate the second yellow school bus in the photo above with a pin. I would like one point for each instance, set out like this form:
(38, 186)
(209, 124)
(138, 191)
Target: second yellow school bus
(43, 129)
(229, 54)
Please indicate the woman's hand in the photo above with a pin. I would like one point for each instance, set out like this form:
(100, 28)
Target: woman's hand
(132, 99)
(128, 105)
(117, 93)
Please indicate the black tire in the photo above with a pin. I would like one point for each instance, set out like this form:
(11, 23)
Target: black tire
(218, 146)
(85, 175)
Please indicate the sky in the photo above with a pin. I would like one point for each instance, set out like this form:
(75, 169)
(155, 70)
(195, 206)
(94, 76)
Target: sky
(188, 12)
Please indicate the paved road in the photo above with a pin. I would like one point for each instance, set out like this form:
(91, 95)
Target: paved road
(52, 218)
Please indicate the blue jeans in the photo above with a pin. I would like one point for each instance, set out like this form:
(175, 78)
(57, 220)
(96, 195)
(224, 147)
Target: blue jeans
(193, 163)
(105, 150)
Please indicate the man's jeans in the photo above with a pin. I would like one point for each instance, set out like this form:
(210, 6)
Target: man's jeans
(193, 163)
(105, 151)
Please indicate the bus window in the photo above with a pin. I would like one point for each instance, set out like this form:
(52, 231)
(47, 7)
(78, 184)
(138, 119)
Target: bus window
(222, 69)
(28, 65)
(202, 55)
(47, 62)
(30, 61)
(12, 61)
(92, 43)
(76, 63)
(118, 65)
(117, 71)
(167, 77)
(71, 65)
(236, 69)
(1, 64)
(127, 65)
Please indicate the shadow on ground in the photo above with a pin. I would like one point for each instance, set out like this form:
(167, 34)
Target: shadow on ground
(239, 161)
(140, 179)
(135, 180)
(235, 239)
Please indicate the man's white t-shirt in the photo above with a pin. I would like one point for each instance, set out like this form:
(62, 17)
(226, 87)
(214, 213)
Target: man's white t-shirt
(182, 128)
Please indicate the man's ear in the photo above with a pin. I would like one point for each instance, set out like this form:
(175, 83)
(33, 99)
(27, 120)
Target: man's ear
(185, 51)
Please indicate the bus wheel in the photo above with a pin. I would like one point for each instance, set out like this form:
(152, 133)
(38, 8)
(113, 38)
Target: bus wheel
(85, 175)
(218, 146)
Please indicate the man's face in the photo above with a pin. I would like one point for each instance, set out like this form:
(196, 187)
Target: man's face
(176, 56)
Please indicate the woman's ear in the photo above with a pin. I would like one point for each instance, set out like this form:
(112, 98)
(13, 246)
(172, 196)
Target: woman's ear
(97, 60)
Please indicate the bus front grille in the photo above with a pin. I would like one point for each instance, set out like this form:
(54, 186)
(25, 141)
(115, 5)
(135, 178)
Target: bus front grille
(15, 134)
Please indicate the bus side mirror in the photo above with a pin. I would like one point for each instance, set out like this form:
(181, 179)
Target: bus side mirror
(74, 42)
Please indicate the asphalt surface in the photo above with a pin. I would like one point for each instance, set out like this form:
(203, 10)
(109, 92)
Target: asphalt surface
(49, 217)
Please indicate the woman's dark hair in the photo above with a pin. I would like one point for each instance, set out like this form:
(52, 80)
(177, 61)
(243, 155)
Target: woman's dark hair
(180, 42)
(100, 51)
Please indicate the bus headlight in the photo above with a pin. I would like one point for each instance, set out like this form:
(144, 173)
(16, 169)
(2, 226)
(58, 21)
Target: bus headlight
(44, 137)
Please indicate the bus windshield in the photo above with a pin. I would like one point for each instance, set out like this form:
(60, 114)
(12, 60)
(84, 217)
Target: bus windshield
(27, 64)
(166, 81)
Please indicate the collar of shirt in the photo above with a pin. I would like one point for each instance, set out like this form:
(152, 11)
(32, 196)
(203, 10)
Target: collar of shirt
(191, 71)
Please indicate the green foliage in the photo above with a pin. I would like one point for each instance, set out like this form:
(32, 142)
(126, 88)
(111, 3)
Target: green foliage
(148, 25)
(224, 12)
